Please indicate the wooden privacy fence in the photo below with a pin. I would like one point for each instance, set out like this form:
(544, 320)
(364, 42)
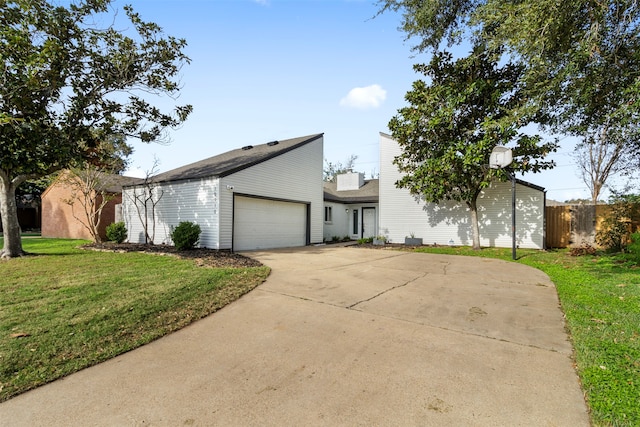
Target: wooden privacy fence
(573, 225)
(558, 219)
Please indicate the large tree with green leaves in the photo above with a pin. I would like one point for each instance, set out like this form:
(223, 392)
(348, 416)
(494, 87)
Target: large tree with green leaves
(454, 121)
(68, 84)
(581, 58)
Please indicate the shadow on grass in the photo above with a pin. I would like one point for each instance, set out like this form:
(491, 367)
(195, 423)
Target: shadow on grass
(533, 254)
(37, 246)
(616, 263)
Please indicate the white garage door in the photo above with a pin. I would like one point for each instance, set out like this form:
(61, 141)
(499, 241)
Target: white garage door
(264, 224)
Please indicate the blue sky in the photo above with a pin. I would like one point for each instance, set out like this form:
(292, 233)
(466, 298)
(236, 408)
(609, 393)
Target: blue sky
(265, 70)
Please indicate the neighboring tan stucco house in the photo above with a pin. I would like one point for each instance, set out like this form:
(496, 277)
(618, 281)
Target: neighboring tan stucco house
(449, 223)
(255, 197)
(350, 207)
(60, 220)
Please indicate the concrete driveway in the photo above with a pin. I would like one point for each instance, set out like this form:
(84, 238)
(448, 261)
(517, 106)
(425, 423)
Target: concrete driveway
(344, 336)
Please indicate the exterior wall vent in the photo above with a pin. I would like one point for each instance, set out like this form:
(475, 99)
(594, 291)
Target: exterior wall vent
(272, 143)
(247, 147)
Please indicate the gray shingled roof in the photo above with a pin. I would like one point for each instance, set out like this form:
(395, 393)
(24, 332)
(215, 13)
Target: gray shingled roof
(114, 183)
(233, 161)
(368, 193)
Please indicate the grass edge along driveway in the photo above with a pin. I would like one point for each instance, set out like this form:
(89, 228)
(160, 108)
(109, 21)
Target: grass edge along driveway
(600, 298)
(63, 309)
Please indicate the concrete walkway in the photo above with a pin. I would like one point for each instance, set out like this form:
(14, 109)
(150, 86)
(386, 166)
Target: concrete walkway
(343, 336)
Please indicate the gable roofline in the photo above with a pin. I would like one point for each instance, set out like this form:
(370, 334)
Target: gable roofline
(368, 193)
(530, 185)
(111, 183)
(519, 181)
(233, 161)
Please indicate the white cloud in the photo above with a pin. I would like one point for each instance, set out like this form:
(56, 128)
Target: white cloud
(364, 97)
(262, 2)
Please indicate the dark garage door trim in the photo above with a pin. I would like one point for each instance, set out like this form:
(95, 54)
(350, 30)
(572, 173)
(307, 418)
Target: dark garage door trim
(273, 199)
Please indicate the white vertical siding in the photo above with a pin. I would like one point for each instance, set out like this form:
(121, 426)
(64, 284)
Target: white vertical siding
(402, 214)
(339, 224)
(342, 223)
(295, 176)
(495, 213)
(195, 201)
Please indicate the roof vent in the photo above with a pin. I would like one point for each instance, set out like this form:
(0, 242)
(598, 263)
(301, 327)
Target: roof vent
(247, 147)
(272, 143)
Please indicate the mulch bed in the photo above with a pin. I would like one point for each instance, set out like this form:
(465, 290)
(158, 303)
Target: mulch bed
(394, 246)
(203, 257)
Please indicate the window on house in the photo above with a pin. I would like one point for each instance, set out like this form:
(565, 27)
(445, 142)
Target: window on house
(327, 214)
(356, 225)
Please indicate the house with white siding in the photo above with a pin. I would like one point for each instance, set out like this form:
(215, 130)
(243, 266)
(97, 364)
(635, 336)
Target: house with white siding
(350, 207)
(449, 223)
(255, 197)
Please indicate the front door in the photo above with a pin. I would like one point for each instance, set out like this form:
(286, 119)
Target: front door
(368, 222)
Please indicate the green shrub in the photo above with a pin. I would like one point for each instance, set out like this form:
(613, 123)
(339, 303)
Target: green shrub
(186, 235)
(116, 232)
(634, 246)
(614, 233)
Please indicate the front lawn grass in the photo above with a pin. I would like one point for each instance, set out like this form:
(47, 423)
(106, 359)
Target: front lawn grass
(600, 296)
(64, 309)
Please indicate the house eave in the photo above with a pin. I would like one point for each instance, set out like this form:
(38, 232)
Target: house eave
(530, 185)
(214, 171)
(349, 200)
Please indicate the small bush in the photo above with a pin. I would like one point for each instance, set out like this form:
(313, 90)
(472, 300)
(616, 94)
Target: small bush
(186, 235)
(634, 246)
(612, 235)
(116, 232)
(615, 227)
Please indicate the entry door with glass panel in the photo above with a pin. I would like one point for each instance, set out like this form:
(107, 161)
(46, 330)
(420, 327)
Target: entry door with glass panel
(368, 222)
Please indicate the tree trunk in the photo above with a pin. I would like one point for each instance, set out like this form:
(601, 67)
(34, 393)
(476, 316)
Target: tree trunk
(475, 229)
(595, 192)
(10, 226)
